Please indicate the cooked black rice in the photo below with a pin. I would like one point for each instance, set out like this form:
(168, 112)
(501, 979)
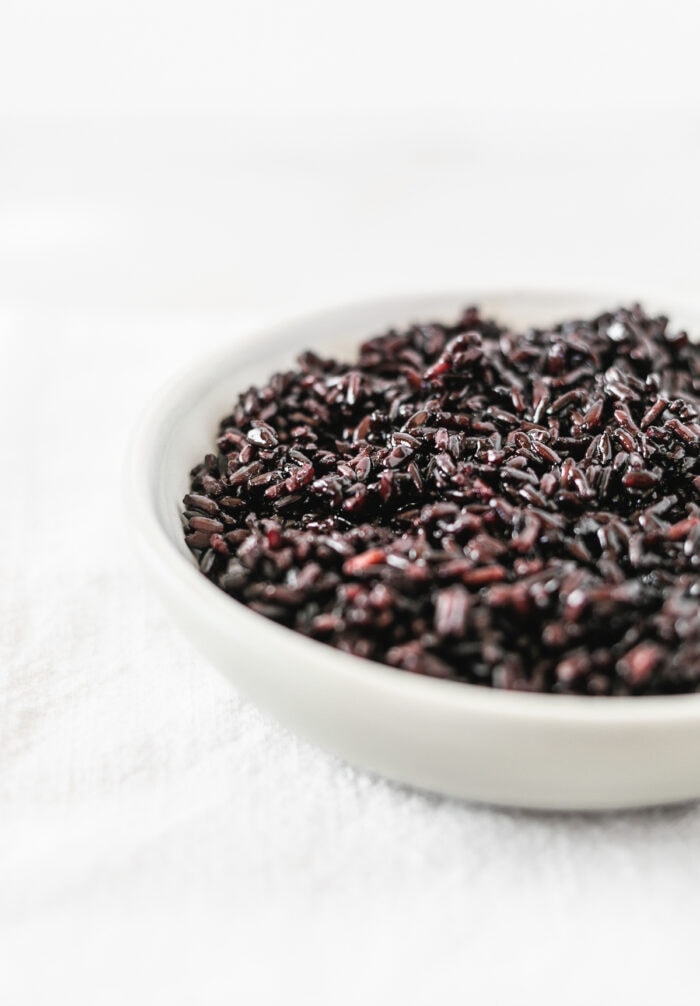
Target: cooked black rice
(514, 509)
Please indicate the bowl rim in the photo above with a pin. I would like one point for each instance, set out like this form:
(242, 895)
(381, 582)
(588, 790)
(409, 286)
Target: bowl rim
(142, 471)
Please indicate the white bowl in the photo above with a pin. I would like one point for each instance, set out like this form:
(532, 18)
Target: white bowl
(543, 751)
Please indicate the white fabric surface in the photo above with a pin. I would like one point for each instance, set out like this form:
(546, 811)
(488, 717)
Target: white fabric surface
(161, 841)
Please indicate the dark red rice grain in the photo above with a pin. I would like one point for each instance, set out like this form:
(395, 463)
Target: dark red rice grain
(514, 509)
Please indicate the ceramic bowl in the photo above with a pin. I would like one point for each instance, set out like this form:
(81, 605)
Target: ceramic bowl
(539, 751)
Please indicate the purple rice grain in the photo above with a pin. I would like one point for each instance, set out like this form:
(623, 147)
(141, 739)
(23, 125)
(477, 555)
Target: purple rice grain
(513, 509)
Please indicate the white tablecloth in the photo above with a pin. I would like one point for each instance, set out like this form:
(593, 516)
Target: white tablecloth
(162, 841)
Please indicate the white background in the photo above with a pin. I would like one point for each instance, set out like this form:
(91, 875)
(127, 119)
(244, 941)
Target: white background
(172, 175)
